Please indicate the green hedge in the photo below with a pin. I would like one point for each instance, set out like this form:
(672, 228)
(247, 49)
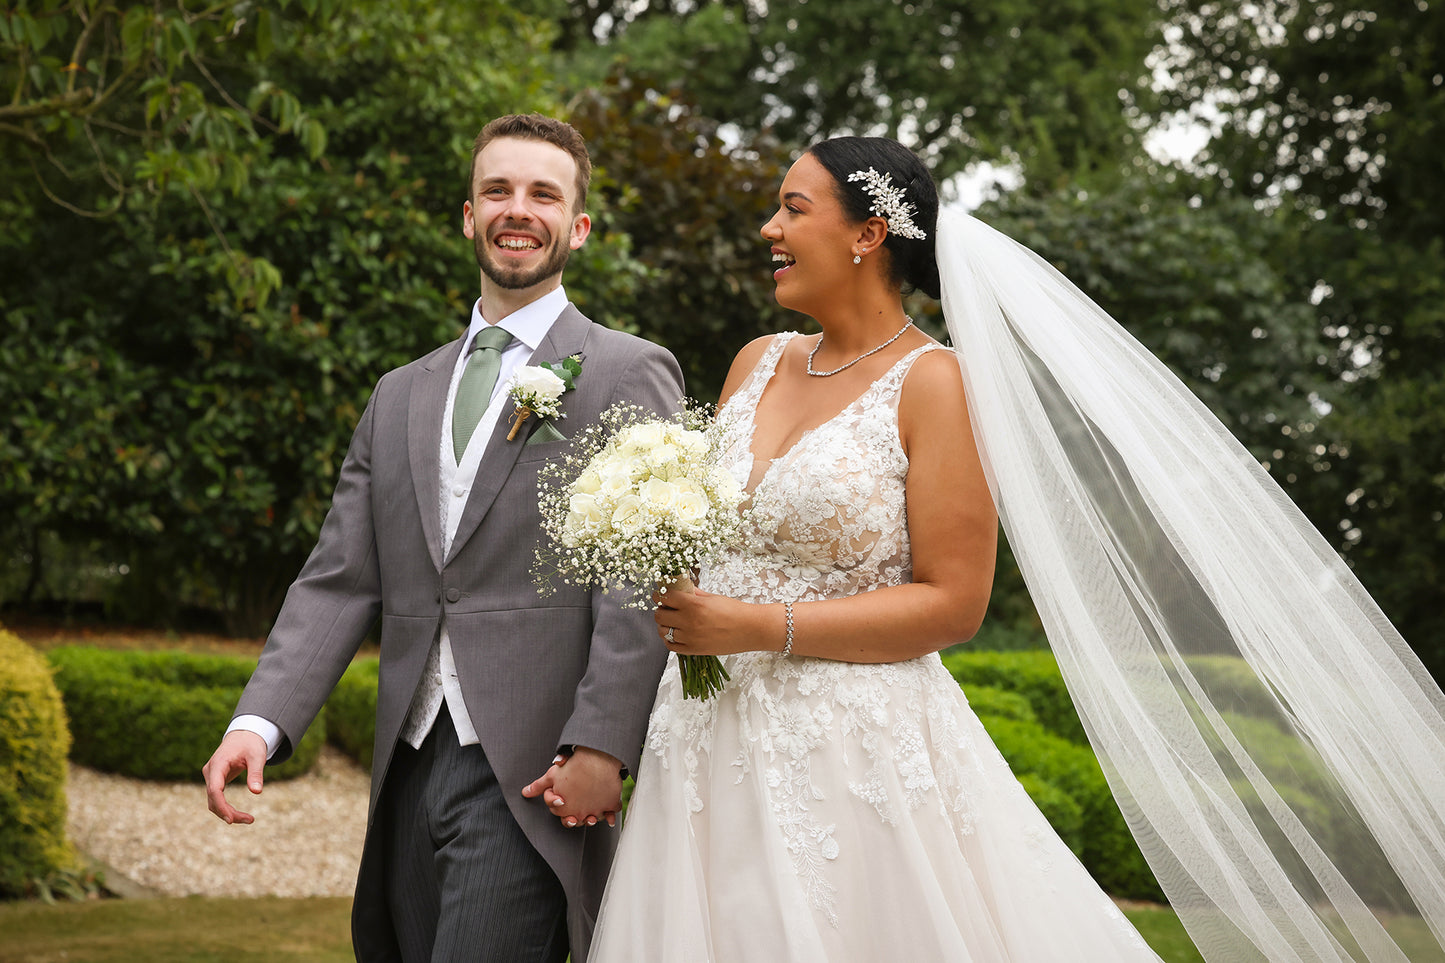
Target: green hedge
(34, 741)
(1032, 674)
(1108, 849)
(351, 710)
(1045, 746)
(985, 700)
(159, 715)
(1059, 808)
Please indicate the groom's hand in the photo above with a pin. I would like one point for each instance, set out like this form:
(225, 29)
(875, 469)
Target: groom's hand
(240, 751)
(582, 788)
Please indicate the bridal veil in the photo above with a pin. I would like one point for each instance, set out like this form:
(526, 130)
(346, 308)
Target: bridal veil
(1275, 746)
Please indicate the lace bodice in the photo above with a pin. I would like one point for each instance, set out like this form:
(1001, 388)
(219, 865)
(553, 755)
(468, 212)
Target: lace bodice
(828, 516)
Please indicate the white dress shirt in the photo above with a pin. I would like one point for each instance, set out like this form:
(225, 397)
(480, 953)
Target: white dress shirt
(528, 326)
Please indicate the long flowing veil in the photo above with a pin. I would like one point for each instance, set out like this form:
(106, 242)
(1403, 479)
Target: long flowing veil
(1276, 748)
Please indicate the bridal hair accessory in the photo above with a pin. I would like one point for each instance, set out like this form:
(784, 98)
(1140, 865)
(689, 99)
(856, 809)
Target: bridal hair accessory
(824, 374)
(890, 203)
(1276, 748)
(538, 390)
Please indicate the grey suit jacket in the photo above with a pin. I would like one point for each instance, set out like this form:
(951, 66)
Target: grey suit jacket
(536, 673)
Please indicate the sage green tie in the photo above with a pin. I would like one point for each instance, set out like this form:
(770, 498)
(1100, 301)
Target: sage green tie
(474, 392)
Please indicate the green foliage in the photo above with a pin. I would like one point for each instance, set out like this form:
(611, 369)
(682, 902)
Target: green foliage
(1031, 674)
(1108, 848)
(181, 380)
(990, 701)
(34, 741)
(1045, 83)
(1193, 278)
(1064, 815)
(692, 207)
(1021, 700)
(109, 99)
(158, 715)
(1335, 111)
(351, 710)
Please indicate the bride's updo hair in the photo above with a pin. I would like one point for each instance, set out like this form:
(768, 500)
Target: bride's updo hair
(912, 261)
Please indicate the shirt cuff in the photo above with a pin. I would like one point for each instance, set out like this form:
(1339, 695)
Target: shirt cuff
(264, 728)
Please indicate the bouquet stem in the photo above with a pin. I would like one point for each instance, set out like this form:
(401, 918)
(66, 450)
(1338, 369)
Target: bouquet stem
(702, 675)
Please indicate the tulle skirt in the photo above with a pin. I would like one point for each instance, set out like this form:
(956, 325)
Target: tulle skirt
(829, 811)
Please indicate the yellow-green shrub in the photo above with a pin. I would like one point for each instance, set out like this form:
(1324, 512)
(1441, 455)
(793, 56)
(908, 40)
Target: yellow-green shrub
(34, 741)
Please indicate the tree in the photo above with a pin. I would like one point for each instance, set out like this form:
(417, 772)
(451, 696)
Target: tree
(108, 98)
(1046, 84)
(193, 421)
(1191, 273)
(692, 207)
(1336, 111)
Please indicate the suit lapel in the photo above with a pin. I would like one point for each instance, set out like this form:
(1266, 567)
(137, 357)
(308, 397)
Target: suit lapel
(423, 432)
(566, 337)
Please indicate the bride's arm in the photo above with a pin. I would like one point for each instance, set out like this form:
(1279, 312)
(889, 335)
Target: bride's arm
(953, 530)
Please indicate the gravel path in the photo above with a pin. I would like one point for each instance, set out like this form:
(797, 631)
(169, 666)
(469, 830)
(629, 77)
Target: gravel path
(306, 840)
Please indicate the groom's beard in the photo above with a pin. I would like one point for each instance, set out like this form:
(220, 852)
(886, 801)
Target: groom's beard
(514, 276)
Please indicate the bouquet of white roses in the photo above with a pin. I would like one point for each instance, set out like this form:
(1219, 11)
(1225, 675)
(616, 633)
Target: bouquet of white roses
(639, 502)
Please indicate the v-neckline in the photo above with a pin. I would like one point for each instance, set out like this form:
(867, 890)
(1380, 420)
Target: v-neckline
(751, 488)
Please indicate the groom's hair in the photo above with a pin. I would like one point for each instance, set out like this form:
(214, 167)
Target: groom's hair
(538, 127)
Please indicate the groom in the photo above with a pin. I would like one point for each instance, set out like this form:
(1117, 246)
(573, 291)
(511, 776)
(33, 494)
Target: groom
(485, 687)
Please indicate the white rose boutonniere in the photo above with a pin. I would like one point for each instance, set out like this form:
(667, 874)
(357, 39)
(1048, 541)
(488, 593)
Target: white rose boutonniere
(538, 390)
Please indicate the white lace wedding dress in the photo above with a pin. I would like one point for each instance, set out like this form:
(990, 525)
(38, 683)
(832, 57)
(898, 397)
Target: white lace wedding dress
(830, 811)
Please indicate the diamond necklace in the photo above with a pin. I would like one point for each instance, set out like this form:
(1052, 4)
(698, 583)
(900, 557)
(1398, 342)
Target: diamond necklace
(823, 374)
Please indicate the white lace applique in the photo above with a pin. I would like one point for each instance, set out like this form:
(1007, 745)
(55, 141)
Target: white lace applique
(828, 521)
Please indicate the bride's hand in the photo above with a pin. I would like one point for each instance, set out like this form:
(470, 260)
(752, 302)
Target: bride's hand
(703, 623)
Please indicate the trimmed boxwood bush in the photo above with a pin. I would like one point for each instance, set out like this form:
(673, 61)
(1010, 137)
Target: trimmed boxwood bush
(1033, 675)
(985, 700)
(1059, 808)
(34, 741)
(1108, 848)
(159, 715)
(351, 710)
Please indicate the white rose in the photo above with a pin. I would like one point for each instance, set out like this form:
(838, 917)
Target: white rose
(726, 486)
(585, 507)
(588, 483)
(690, 508)
(540, 382)
(643, 437)
(657, 494)
(616, 480)
(628, 517)
(663, 455)
(693, 442)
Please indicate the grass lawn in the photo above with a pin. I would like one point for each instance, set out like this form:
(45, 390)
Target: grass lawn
(191, 930)
(201, 930)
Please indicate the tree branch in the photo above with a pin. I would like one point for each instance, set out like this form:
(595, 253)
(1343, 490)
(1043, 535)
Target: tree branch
(44, 108)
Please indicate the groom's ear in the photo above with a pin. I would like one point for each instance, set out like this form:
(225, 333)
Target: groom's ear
(581, 227)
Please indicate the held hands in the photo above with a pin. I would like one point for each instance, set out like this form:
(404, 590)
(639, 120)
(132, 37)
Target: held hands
(581, 788)
(240, 751)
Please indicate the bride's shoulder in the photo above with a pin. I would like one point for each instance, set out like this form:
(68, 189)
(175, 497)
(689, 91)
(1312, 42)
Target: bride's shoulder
(932, 383)
(746, 360)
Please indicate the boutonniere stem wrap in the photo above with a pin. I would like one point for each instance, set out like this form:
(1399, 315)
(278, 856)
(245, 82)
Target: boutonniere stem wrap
(538, 390)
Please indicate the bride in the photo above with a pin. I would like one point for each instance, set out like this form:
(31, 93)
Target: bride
(839, 801)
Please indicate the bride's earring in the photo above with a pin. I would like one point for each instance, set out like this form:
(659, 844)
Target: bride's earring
(857, 259)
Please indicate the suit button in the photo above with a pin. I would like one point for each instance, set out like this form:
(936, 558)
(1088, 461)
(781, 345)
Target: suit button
(453, 594)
